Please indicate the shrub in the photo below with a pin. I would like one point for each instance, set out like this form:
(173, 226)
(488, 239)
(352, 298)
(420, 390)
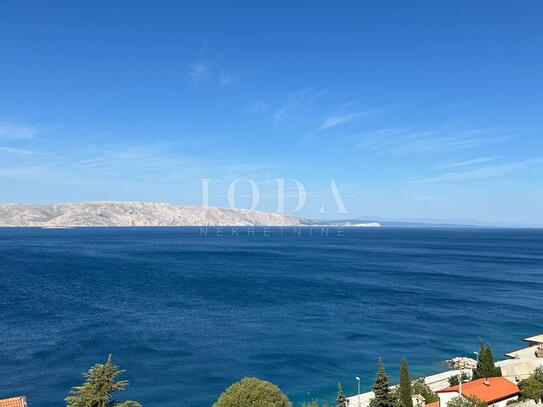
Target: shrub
(466, 402)
(252, 392)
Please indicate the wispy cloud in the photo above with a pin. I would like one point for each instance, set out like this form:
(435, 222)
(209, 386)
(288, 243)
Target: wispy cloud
(404, 142)
(296, 104)
(227, 78)
(341, 119)
(12, 131)
(205, 68)
(200, 68)
(199, 71)
(15, 151)
(489, 171)
(258, 106)
(466, 163)
(142, 169)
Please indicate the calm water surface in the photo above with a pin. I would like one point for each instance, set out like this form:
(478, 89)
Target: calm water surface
(187, 314)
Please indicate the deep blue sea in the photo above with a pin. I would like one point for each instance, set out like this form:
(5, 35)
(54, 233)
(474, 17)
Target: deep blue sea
(186, 314)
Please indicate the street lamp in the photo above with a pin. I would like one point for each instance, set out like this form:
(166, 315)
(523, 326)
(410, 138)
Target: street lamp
(358, 394)
(477, 353)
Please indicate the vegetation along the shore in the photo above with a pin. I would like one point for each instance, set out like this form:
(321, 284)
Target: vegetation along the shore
(101, 382)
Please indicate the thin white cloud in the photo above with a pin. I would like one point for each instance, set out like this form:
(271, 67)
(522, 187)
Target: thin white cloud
(12, 131)
(227, 78)
(15, 151)
(490, 171)
(297, 103)
(338, 120)
(205, 68)
(258, 106)
(404, 142)
(467, 163)
(199, 71)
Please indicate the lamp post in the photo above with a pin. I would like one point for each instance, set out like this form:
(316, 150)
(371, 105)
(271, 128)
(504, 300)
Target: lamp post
(358, 394)
(477, 353)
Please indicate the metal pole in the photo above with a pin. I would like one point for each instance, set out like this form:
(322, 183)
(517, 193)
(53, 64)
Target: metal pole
(358, 394)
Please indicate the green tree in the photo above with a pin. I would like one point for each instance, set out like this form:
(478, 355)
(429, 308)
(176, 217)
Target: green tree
(314, 403)
(419, 387)
(383, 395)
(252, 392)
(485, 365)
(466, 402)
(341, 401)
(538, 374)
(455, 380)
(100, 383)
(406, 392)
(531, 388)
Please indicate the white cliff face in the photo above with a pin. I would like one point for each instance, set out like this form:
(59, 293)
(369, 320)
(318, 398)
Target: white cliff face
(136, 214)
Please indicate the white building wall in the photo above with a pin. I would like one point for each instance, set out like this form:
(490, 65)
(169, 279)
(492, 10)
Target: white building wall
(503, 403)
(444, 398)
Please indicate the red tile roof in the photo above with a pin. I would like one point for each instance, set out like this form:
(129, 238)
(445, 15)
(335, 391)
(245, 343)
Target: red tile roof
(14, 402)
(488, 390)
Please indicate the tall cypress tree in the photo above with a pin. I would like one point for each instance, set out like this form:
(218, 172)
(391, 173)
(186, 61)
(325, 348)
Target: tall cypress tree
(485, 364)
(383, 396)
(406, 394)
(341, 401)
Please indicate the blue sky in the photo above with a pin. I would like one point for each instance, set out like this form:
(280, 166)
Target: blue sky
(415, 109)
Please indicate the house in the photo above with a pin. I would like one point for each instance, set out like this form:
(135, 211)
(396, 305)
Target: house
(495, 391)
(440, 381)
(538, 342)
(534, 340)
(533, 350)
(517, 369)
(14, 402)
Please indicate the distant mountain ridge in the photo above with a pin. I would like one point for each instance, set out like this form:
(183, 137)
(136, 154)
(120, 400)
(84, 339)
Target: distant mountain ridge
(136, 214)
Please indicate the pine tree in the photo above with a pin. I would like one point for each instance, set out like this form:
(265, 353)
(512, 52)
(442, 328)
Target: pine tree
(341, 401)
(383, 396)
(406, 395)
(485, 365)
(99, 384)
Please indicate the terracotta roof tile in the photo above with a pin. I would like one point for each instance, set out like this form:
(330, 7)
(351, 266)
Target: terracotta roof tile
(497, 388)
(13, 402)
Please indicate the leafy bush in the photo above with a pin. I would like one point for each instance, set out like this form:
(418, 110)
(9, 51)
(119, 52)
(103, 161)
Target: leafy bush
(532, 387)
(466, 402)
(252, 392)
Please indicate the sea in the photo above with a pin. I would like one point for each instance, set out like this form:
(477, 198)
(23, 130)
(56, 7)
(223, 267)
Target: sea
(188, 311)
